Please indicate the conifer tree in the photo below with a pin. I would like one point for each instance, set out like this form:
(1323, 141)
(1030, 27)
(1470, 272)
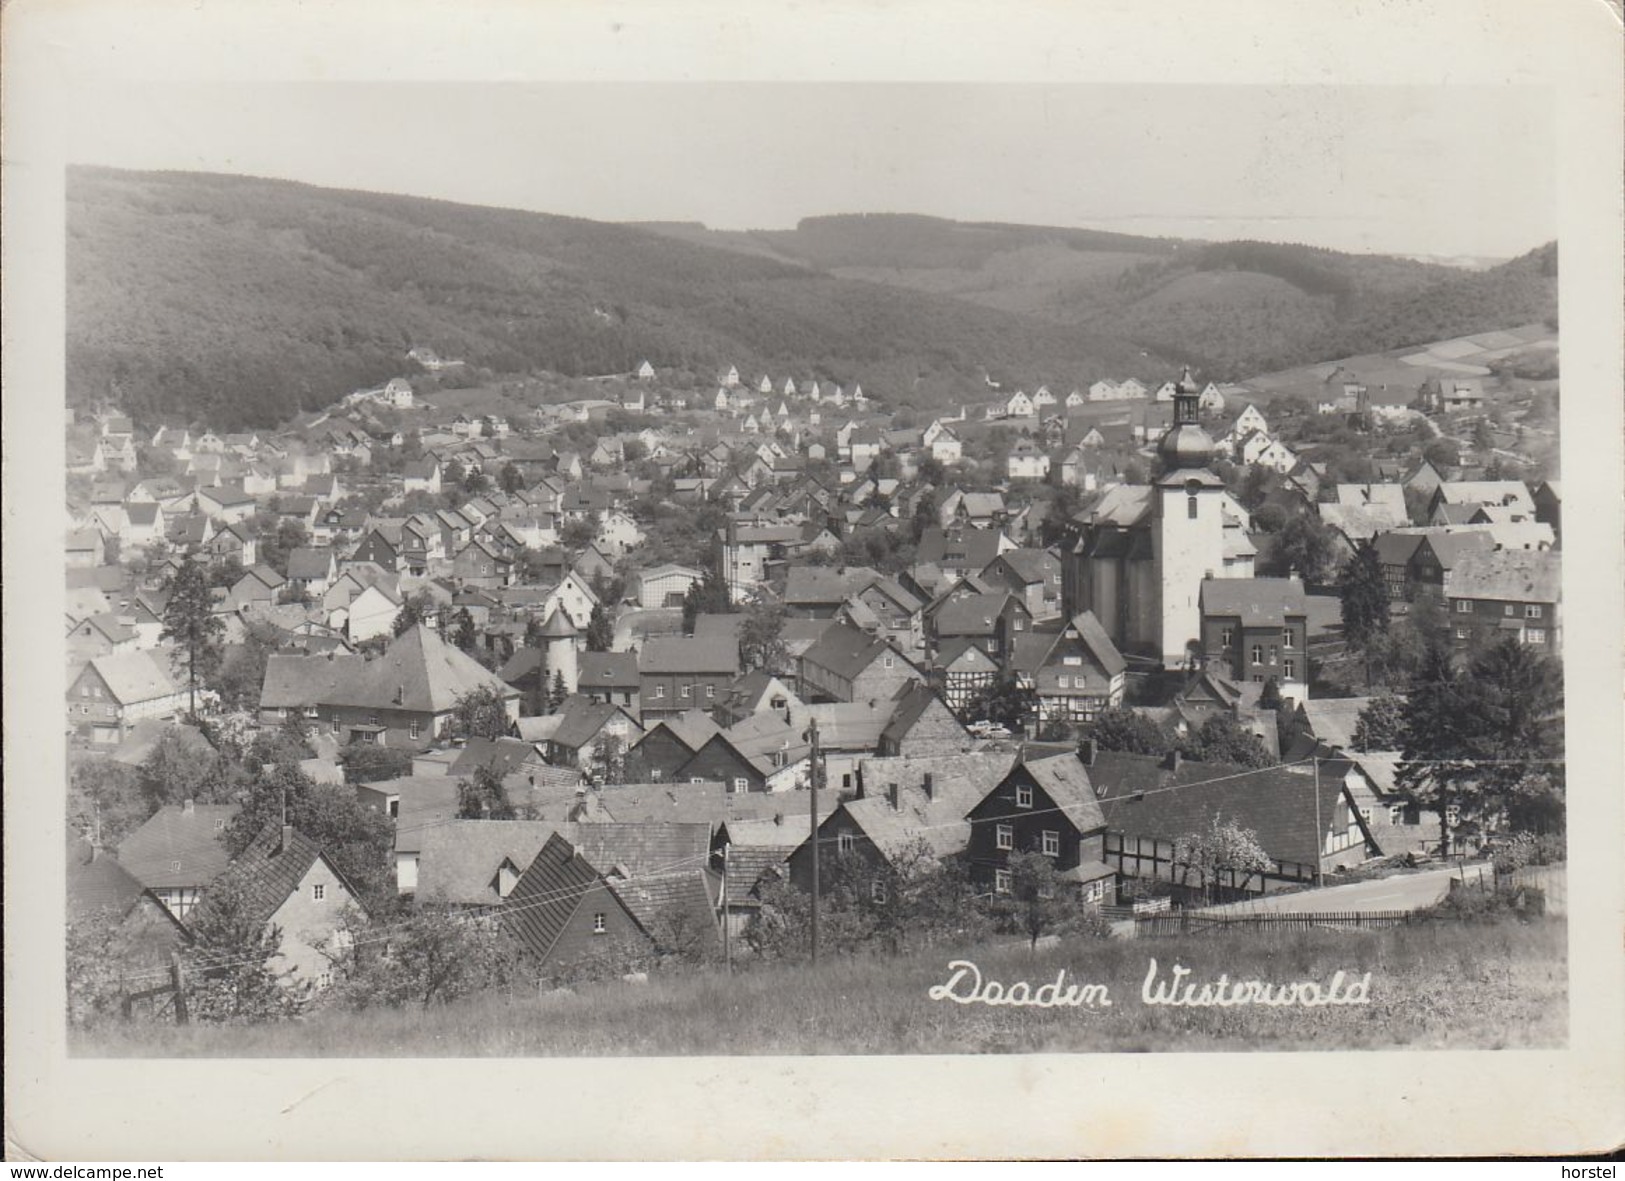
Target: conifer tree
(190, 624)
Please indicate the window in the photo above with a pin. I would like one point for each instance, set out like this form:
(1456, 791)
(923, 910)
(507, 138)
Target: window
(1227, 636)
(1396, 813)
(1275, 653)
(415, 729)
(877, 891)
(1052, 843)
(1365, 815)
(324, 980)
(394, 809)
(1531, 611)
(845, 843)
(741, 785)
(1072, 661)
(1004, 837)
(335, 725)
(1063, 681)
(1535, 635)
(710, 691)
(600, 924)
(1190, 507)
(1461, 633)
(1095, 892)
(1286, 639)
(1258, 654)
(1024, 795)
(685, 690)
(696, 779)
(1464, 607)
(1507, 610)
(889, 661)
(318, 892)
(1452, 815)
(1289, 669)
(1001, 881)
(660, 690)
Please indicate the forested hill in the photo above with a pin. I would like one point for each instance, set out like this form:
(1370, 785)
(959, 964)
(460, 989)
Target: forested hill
(1234, 309)
(240, 301)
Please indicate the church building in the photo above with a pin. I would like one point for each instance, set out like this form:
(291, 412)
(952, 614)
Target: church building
(1139, 557)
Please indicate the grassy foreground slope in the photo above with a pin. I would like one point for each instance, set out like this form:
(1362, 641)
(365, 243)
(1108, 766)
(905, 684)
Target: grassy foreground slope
(1455, 986)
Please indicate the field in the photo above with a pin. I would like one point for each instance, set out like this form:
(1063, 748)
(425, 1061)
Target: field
(1440, 986)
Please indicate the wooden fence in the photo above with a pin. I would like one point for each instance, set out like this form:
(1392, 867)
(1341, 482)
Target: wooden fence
(1195, 922)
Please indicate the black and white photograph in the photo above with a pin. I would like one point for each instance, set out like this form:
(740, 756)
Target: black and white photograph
(719, 567)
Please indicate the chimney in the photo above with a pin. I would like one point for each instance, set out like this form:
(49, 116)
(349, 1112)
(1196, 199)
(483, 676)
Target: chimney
(891, 795)
(928, 784)
(1086, 752)
(287, 838)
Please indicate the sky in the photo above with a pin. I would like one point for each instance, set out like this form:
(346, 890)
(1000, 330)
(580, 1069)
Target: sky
(1439, 170)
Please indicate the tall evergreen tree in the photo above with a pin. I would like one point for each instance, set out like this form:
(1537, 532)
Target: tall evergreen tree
(1433, 741)
(464, 634)
(190, 624)
(1364, 594)
(558, 694)
(600, 631)
(1514, 698)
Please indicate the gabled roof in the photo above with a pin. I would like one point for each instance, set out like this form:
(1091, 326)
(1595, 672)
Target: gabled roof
(1257, 602)
(267, 872)
(505, 756)
(824, 585)
(846, 651)
(682, 654)
(548, 892)
(972, 615)
(133, 677)
(693, 729)
(97, 882)
(1066, 781)
(1519, 576)
(643, 848)
(1094, 637)
(178, 846)
(310, 562)
(911, 702)
(1277, 803)
(616, 671)
(581, 719)
(418, 671)
(459, 861)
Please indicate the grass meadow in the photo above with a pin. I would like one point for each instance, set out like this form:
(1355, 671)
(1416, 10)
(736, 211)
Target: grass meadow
(1444, 986)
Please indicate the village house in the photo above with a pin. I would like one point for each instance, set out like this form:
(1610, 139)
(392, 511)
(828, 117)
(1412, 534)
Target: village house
(1027, 461)
(678, 673)
(1075, 673)
(1256, 629)
(1507, 593)
(612, 678)
(921, 724)
(176, 854)
(846, 664)
(1045, 806)
(113, 692)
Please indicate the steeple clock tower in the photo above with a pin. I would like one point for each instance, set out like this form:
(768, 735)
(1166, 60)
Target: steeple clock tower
(1188, 526)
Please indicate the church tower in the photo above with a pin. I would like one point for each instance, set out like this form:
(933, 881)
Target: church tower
(1187, 526)
(559, 635)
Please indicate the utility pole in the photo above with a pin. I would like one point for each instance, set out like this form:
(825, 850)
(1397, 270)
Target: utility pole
(1320, 833)
(178, 983)
(817, 774)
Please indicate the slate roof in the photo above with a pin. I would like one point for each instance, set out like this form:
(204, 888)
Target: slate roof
(1276, 803)
(418, 671)
(267, 872)
(850, 725)
(824, 585)
(718, 628)
(1333, 719)
(310, 562)
(1519, 576)
(548, 892)
(1256, 602)
(1066, 780)
(459, 860)
(846, 651)
(295, 682)
(746, 866)
(143, 737)
(971, 615)
(910, 704)
(616, 671)
(1031, 565)
(504, 755)
(97, 882)
(581, 719)
(133, 677)
(691, 892)
(177, 846)
(1486, 492)
(643, 847)
(682, 654)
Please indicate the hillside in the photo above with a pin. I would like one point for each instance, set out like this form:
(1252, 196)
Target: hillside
(240, 301)
(1231, 308)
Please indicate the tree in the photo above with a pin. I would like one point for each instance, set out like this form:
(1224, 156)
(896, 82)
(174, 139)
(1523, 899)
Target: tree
(558, 694)
(510, 479)
(367, 762)
(228, 960)
(1040, 903)
(190, 624)
(105, 801)
(483, 797)
(1380, 724)
(278, 537)
(480, 713)
(708, 596)
(359, 840)
(1433, 742)
(1223, 739)
(1128, 730)
(242, 668)
(1363, 590)
(1304, 546)
(577, 535)
(607, 763)
(1005, 701)
(1223, 848)
(415, 609)
(600, 630)
(1270, 697)
(437, 953)
(1514, 702)
(179, 769)
(761, 637)
(463, 632)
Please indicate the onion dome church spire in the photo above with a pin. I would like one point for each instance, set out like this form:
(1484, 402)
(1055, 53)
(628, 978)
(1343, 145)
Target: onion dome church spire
(1186, 445)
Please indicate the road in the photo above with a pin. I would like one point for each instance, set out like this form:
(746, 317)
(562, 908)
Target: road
(1409, 891)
